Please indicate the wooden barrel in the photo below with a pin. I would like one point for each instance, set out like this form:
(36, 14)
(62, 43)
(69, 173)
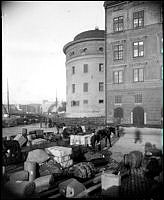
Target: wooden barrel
(133, 159)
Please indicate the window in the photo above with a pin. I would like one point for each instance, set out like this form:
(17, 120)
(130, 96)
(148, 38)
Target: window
(101, 49)
(138, 75)
(138, 19)
(138, 49)
(84, 50)
(101, 67)
(85, 87)
(118, 99)
(138, 98)
(85, 101)
(75, 103)
(85, 68)
(73, 70)
(71, 53)
(118, 24)
(101, 86)
(162, 72)
(101, 101)
(73, 88)
(118, 52)
(118, 76)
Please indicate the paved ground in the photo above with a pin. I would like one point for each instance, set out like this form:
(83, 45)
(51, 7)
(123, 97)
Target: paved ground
(126, 143)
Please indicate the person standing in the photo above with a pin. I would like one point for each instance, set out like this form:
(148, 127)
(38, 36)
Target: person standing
(137, 136)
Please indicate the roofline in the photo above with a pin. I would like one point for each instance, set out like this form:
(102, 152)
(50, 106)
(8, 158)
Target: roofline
(79, 41)
(110, 4)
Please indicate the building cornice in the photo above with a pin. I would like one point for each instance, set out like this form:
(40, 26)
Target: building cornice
(110, 4)
(80, 41)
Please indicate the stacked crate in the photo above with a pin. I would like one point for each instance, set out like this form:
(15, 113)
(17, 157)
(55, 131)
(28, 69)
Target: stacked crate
(61, 155)
(80, 140)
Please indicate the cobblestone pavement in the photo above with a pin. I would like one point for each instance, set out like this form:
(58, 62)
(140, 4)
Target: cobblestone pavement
(125, 144)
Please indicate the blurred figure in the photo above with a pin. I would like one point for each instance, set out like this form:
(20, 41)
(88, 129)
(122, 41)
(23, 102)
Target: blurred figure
(137, 136)
(45, 122)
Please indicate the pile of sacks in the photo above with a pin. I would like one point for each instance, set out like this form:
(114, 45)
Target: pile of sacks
(39, 174)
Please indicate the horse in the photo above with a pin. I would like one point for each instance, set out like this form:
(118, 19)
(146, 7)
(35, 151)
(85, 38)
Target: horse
(101, 134)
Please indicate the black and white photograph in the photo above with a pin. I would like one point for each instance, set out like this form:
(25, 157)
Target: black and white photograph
(82, 100)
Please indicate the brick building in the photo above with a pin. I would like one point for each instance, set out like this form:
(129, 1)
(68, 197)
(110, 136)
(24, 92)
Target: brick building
(133, 62)
(85, 75)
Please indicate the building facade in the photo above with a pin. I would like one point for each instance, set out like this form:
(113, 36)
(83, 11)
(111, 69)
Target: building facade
(85, 90)
(133, 62)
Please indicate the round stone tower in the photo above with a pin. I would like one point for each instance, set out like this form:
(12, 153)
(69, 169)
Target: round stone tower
(85, 89)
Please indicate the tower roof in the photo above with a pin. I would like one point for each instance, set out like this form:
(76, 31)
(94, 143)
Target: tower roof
(90, 34)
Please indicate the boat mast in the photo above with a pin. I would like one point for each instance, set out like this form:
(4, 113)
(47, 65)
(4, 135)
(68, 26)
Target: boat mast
(8, 105)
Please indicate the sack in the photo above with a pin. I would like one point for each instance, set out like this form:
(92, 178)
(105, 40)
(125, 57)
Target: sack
(30, 167)
(19, 176)
(92, 155)
(21, 188)
(83, 170)
(37, 155)
(50, 167)
(152, 168)
(39, 133)
(43, 183)
(117, 156)
(21, 139)
(99, 162)
(38, 141)
(71, 188)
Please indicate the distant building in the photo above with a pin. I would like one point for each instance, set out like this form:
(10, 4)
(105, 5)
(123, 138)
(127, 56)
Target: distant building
(85, 74)
(49, 107)
(29, 108)
(134, 61)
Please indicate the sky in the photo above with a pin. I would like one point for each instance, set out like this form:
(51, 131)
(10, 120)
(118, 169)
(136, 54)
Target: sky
(33, 36)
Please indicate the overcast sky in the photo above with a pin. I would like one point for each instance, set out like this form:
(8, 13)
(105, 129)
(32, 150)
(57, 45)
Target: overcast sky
(34, 34)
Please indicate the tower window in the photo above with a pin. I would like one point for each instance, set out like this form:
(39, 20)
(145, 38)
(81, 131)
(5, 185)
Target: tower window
(85, 101)
(101, 67)
(85, 87)
(101, 86)
(101, 49)
(85, 68)
(101, 101)
(73, 69)
(73, 88)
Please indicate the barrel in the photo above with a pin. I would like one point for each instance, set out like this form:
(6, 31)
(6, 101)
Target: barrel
(133, 159)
